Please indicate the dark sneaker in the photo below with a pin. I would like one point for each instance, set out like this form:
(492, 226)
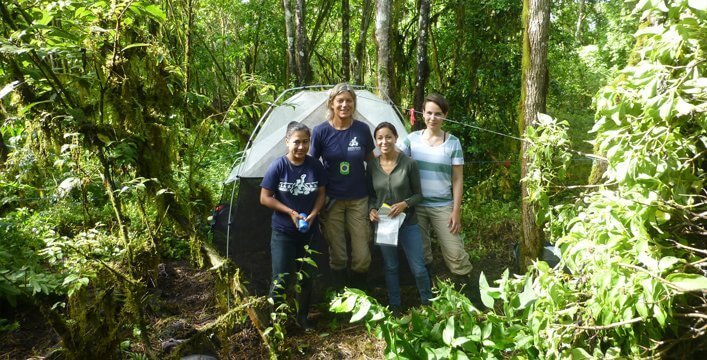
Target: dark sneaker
(305, 324)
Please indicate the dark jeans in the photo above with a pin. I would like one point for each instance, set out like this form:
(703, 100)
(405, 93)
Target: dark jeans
(286, 248)
(410, 239)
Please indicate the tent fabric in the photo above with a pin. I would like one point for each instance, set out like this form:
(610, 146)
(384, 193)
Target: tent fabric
(309, 108)
(241, 225)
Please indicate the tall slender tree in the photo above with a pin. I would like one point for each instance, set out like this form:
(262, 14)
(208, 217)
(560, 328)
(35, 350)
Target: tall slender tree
(290, 34)
(360, 50)
(345, 41)
(580, 18)
(536, 21)
(302, 51)
(188, 79)
(383, 45)
(3, 151)
(423, 68)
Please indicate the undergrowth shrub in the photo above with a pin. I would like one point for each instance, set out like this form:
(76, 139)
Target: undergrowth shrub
(631, 282)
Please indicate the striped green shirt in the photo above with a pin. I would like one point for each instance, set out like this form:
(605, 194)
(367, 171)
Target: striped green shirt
(435, 164)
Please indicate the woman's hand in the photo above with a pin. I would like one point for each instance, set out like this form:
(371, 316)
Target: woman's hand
(397, 208)
(373, 215)
(455, 222)
(295, 218)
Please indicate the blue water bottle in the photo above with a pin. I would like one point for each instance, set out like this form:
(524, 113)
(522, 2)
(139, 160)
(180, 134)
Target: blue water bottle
(302, 224)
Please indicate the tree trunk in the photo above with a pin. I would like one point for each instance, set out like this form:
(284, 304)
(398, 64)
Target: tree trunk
(359, 59)
(303, 72)
(580, 18)
(423, 69)
(536, 19)
(383, 45)
(290, 34)
(187, 60)
(316, 34)
(3, 151)
(345, 42)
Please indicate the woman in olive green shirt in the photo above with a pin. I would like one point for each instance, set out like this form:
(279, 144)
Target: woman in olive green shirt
(395, 180)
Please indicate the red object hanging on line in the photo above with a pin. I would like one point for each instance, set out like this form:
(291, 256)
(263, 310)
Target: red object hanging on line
(412, 116)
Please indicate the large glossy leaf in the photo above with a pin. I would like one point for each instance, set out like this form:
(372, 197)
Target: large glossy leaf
(8, 88)
(688, 282)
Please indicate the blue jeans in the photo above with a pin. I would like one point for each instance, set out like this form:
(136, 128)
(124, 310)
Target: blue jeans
(285, 249)
(410, 239)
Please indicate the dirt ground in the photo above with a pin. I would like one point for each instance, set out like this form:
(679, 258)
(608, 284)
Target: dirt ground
(184, 302)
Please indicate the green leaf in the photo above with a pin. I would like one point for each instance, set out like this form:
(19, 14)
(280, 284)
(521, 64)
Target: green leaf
(8, 88)
(641, 308)
(659, 315)
(348, 304)
(460, 341)
(688, 282)
(363, 306)
(488, 294)
(69, 279)
(46, 19)
(155, 12)
(697, 4)
(668, 262)
(528, 296)
(163, 191)
(488, 328)
(135, 45)
(448, 333)
(580, 354)
(13, 50)
(475, 333)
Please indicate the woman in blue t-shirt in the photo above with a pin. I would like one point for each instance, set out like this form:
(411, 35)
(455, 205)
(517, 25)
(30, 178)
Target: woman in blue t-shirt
(294, 188)
(344, 145)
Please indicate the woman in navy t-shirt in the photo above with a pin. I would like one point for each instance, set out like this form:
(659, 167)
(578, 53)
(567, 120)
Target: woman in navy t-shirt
(294, 187)
(344, 144)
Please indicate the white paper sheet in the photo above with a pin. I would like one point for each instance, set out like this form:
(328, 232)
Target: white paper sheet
(387, 230)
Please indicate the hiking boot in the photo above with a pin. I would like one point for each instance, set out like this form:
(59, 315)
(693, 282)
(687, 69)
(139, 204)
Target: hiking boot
(303, 299)
(338, 279)
(304, 323)
(395, 310)
(358, 280)
(461, 282)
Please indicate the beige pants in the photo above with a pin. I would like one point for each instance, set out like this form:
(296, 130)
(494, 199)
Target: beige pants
(436, 219)
(351, 216)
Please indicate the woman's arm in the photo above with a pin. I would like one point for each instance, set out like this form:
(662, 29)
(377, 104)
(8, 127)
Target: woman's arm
(415, 184)
(455, 224)
(373, 202)
(268, 200)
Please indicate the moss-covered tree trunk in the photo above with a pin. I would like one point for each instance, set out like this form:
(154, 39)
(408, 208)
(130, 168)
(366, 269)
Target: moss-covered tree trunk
(383, 45)
(303, 70)
(423, 69)
(345, 41)
(536, 20)
(360, 50)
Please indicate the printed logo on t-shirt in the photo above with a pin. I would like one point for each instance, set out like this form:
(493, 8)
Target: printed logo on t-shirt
(353, 144)
(299, 187)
